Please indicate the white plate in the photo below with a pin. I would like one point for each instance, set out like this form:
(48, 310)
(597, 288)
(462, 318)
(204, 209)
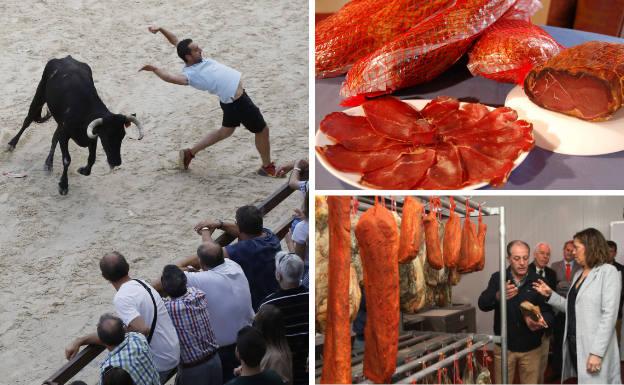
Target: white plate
(565, 134)
(353, 179)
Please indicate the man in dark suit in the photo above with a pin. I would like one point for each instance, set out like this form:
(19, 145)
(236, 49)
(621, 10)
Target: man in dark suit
(612, 253)
(541, 257)
(565, 270)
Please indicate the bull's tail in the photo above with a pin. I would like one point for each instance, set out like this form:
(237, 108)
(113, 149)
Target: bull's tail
(36, 107)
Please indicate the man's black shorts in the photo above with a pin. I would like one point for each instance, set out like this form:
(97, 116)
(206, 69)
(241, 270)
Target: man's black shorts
(243, 110)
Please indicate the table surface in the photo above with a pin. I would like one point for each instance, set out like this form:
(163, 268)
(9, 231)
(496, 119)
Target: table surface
(542, 169)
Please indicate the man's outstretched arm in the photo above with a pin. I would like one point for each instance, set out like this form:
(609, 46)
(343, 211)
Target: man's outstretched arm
(170, 36)
(166, 76)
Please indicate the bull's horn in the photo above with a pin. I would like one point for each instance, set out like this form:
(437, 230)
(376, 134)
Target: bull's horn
(91, 126)
(136, 122)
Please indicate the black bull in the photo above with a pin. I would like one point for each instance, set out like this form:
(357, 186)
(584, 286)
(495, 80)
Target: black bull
(67, 88)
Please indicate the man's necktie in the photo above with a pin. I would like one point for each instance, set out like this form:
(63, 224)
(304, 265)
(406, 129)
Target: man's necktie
(568, 272)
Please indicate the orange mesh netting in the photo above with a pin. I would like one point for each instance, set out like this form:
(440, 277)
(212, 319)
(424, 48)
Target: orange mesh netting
(361, 27)
(425, 51)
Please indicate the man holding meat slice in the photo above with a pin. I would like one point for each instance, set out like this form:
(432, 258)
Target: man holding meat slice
(524, 334)
(225, 82)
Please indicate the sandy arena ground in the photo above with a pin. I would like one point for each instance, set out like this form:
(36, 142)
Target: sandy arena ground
(51, 290)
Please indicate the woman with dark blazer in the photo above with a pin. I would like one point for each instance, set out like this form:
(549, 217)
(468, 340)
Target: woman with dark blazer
(590, 349)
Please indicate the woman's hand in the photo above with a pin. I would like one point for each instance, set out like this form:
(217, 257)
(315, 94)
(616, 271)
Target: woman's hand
(593, 363)
(542, 288)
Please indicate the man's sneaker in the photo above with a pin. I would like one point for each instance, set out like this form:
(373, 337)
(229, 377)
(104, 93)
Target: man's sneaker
(185, 158)
(269, 170)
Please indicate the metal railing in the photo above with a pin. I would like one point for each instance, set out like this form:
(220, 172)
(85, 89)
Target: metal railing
(89, 353)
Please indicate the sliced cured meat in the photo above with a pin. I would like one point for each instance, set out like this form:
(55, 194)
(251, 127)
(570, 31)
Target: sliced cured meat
(446, 173)
(426, 50)
(397, 120)
(468, 115)
(495, 120)
(360, 27)
(482, 168)
(514, 131)
(377, 235)
(508, 150)
(584, 81)
(509, 49)
(352, 161)
(337, 347)
(452, 238)
(353, 132)
(432, 236)
(411, 229)
(407, 171)
(439, 108)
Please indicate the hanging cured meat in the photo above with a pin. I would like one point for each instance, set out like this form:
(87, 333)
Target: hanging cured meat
(337, 346)
(481, 242)
(362, 26)
(432, 237)
(413, 292)
(470, 252)
(452, 238)
(391, 145)
(584, 81)
(425, 51)
(322, 269)
(411, 229)
(377, 236)
(508, 50)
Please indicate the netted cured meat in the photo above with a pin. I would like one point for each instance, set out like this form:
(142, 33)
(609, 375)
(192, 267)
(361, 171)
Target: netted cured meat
(337, 346)
(432, 236)
(523, 10)
(508, 50)
(452, 238)
(471, 144)
(360, 27)
(425, 51)
(411, 229)
(585, 81)
(378, 238)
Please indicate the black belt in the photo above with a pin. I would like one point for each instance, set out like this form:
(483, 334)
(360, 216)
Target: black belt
(198, 362)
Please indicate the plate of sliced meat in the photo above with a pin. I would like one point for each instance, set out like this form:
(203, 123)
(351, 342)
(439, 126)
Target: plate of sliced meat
(439, 144)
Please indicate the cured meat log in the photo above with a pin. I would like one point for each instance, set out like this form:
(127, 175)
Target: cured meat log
(585, 81)
(362, 26)
(425, 51)
(411, 229)
(509, 49)
(322, 269)
(481, 242)
(452, 238)
(337, 346)
(470, 252)
(377, 235)
(432, 237)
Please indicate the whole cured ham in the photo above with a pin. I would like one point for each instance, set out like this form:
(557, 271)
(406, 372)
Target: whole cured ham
(425, 51)
(481, 242)
(452, 238)
(378, 238)
(337, 346)
(471, 251)
(411, 229)
(432, 236)
(362, 26)
(509, 49)
(585, 81)
(445, 145)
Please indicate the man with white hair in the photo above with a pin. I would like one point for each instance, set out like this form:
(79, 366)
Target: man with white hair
(292, 299)
(541, 257)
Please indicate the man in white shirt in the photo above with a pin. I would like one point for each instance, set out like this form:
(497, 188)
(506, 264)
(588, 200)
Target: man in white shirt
(135, 306)
(225, 82)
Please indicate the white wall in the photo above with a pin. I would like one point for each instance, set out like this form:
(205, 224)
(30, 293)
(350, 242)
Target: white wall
(536, 219)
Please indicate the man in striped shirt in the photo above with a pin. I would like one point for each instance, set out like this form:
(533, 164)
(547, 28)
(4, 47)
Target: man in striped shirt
(130, 352)
(199, 363)
(292, 299)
